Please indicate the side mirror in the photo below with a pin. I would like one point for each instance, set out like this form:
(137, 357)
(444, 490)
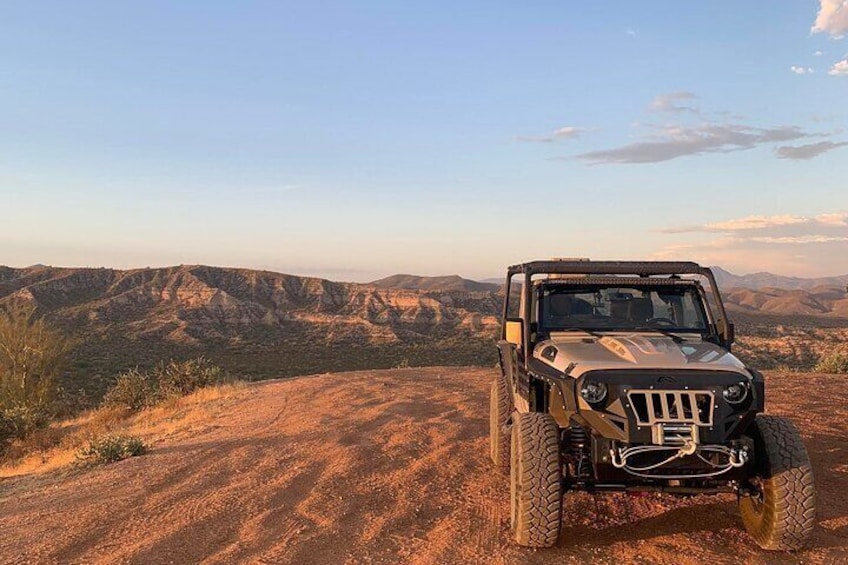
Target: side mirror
(515, 331)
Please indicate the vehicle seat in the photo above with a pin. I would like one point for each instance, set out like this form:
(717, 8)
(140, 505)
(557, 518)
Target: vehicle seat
(560, 306)
(640, 309)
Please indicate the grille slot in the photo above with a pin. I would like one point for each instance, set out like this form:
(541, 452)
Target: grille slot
(672, 406)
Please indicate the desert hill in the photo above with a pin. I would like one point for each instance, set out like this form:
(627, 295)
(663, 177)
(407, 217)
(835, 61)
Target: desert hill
(759, 280)
(189, 304)
(448, 283)
(261, 323)
(820, 300)
(378, 467)
(255, 323)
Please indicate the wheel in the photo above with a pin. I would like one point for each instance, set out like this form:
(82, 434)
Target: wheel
(500, 408)
(782, 514)
(535, 480)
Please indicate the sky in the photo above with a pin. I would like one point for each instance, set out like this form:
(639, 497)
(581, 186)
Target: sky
(352, 140)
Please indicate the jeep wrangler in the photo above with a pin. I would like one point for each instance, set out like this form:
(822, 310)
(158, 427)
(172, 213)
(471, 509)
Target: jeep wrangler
(618, 376)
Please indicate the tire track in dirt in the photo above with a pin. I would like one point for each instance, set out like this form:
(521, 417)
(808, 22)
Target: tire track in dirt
(383, 467)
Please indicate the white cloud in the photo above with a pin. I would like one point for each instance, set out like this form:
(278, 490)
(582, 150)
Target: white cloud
(803, 239)
(680, 141)
(803, 152)
(839, 69)
(786, 242)
(801, 70)
(565, 132)
(755, 223)
(818, 53)
(668, 102)
(832, 18)
(632, 32)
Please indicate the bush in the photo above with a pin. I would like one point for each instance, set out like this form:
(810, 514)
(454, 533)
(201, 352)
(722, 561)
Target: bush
(135, 390)
(32, 356)
(132, 390)
(834, 363)
(19, 422)
(179, 378)
(111, 448)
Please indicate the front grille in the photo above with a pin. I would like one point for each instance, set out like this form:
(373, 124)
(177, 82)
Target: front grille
(675, 406)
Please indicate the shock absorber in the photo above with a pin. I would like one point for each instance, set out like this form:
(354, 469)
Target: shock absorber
(578, 447)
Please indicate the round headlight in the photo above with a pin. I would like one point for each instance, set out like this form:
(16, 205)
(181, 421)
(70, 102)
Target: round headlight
(736, 393)
(593, 392)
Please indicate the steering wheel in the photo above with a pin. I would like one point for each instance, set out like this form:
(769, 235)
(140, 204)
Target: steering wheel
(661, 322)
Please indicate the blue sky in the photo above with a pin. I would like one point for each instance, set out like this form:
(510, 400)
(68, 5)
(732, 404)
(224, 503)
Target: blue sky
(354, 140)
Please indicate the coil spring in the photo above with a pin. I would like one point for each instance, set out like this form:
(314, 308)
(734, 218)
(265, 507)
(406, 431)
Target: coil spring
(578, 442)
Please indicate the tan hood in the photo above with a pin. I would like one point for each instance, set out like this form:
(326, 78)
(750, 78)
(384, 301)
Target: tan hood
(635, 350)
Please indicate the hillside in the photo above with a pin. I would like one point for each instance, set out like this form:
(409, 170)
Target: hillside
(759, 280)
(379, 467)
(450, 283)
(261, 324)
(252, 322)
(817, 301)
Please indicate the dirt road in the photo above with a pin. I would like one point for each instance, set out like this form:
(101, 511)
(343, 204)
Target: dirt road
(383, 467)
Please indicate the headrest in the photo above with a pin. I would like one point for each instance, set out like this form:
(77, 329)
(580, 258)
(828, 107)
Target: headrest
(640, 309)
(560, 304)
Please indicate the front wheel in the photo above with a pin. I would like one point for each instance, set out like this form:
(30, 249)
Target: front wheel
(535, 480)
(782, 513)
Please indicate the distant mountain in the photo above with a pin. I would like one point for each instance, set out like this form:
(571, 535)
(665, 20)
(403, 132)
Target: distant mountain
(759, 280)
(449, 283)
(817, 301)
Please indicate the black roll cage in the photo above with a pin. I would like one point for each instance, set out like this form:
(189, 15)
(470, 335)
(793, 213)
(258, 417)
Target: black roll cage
(637, 268)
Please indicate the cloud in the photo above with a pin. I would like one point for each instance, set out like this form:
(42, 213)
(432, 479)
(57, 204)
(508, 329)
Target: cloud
(800, 239)
(839, 69)
(832, 18)
(668, 102)
(680, 141)
(813, 245)
(801, 70)
(818, 53)
(632, 32)
(765, 223)
(565, 132)
(809, 151)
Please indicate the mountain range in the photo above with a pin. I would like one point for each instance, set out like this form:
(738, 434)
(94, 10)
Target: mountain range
(265, 323)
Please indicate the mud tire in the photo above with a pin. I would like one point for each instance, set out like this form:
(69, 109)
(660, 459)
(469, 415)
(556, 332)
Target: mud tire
(784, 517)
(535, 480)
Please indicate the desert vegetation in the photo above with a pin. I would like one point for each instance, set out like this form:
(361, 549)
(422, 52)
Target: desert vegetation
(32, 355)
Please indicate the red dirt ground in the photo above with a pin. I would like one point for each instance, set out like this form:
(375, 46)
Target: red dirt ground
(384, 467)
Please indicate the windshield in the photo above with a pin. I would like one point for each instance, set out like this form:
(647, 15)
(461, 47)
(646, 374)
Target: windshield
(672, 308)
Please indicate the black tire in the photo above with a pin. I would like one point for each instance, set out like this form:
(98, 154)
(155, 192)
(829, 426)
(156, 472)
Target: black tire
(535, 480)
(782, 518)
(500, 407)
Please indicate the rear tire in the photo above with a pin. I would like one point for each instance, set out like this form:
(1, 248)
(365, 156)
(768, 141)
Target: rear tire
(535, 480)
(782, 518)
(500, 407)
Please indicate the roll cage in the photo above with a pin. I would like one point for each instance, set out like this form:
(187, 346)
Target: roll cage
(723, 329)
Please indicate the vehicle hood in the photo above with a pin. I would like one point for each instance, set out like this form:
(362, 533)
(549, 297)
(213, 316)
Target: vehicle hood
(633, 350)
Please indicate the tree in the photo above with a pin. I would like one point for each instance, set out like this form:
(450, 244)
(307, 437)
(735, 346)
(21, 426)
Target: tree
(32, 355)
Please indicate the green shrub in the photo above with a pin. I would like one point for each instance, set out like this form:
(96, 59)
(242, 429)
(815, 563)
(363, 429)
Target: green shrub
(836, 362)
(179, 378)
(110, 448)
(19, 422)
(32, 356)
(132, 390)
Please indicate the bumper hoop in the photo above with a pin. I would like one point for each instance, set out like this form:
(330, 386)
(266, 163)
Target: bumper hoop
(735, 458)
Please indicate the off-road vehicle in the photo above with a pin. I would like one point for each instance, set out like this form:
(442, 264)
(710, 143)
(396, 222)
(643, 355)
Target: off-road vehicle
(618, 376)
